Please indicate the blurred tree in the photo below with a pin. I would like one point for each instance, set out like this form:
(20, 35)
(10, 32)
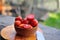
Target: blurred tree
(57, 4)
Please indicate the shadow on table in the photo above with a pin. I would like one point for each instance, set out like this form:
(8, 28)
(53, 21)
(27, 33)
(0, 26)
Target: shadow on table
(1, 27)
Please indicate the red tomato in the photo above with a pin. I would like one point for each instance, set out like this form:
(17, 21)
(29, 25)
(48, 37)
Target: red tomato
(30, 17)
(34, 22)
(21, 26)
(17, 23)
(26, 26)
(25, 21)
(18, 18)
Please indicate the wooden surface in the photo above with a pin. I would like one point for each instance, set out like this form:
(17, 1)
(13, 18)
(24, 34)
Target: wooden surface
(10, 34)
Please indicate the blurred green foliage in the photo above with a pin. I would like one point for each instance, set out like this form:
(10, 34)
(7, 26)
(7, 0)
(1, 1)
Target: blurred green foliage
(53, 20)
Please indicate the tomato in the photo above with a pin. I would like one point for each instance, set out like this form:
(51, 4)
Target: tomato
(34, 22)
(26, 26)
(17, 23)
(18, 18)
(30, 17)
(25, 21)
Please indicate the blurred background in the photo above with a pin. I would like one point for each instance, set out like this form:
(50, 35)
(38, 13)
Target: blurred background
(46, 11)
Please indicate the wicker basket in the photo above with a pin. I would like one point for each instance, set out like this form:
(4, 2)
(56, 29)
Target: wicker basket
(25, 32)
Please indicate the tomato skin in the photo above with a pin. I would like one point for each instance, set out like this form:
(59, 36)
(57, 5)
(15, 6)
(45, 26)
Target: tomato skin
(30, 17)
(18, 18)
(26, 26)
(25, 21)
(34, 22)
(17, 23)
